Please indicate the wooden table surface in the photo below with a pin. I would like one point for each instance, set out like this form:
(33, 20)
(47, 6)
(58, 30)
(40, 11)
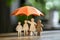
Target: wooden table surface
(45, 35)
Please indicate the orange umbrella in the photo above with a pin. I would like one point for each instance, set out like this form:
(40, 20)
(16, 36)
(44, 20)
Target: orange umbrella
(27, 10)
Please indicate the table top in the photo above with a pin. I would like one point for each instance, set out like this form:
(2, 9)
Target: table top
(45, 35)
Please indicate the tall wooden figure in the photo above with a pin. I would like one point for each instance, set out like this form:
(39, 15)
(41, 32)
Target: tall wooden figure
(39, 27)
(25, 27)
(19, 28)
(32, 26)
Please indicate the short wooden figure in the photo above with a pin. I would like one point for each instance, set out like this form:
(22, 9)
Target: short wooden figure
(32, 25)
(25, 27)
(19, 28)
(39, 27)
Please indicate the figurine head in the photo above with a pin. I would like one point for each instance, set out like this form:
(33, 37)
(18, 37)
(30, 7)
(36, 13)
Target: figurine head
(39, 21)
(19, 23)
(32, 19)
(25, 21)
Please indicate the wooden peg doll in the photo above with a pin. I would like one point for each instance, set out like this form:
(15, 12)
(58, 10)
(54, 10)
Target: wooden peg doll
(19, 28)
(25, 27)
(32, 26)
(39, 27)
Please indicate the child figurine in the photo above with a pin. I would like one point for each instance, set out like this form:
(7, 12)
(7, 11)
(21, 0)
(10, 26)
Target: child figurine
(19, 28)
(25, 27)
(32, 26)
(39, 27)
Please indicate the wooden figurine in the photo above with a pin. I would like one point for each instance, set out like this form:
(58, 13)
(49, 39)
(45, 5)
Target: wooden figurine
(25, 27)
(39, 27)
(19, 28)
(32, 26)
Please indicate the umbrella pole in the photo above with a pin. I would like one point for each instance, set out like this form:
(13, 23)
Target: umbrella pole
(27, 17)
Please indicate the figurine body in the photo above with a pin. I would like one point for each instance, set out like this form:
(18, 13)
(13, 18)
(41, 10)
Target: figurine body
(39, 27)
(32, 25)
(25, 27)
(19, 28)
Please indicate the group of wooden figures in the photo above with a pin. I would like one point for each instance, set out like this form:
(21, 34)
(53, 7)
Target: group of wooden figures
(34, 27)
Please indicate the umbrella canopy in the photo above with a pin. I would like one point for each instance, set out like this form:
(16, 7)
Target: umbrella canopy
(27, 10)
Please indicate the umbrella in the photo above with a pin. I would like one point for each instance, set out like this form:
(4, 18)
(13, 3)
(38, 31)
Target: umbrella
(27, 10)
